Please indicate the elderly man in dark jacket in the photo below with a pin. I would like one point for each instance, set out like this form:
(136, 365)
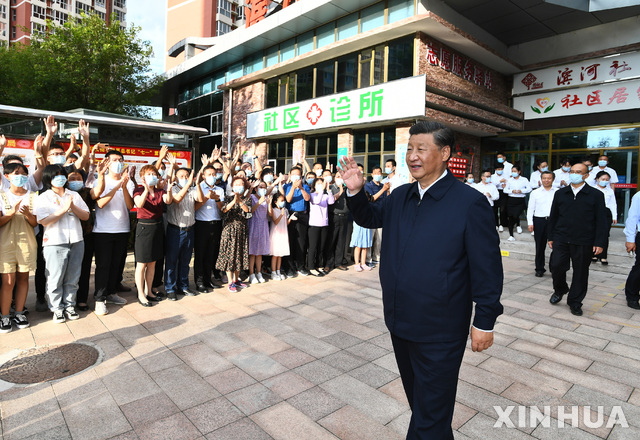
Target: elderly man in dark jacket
(577, 231)
(440, 253)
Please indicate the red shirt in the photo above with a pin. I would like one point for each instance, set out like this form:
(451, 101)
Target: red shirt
(153, 206)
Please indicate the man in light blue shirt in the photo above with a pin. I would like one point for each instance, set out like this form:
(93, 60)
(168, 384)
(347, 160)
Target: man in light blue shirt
(632, 286)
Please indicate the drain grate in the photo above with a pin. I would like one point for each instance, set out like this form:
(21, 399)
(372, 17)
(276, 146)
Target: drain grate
(38, 365)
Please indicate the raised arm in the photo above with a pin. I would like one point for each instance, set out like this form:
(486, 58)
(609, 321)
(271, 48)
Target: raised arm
(51, 126)
(83, 160)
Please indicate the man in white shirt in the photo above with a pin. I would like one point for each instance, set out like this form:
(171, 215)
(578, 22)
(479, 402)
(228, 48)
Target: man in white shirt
(603, 165)
(208, 230)
(499, 179)
(538, 216)
(502, 159)
(114, 199)
(562, 174)
(394, 179)
(486, 187)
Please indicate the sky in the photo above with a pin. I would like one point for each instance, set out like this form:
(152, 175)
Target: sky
(151, 16)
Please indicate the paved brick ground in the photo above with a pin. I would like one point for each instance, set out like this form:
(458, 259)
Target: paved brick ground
(310, 358)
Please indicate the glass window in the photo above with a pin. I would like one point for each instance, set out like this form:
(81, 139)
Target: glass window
(322, 146)
(206, 86)
(217, 101)
(373, 160)
(305, 43)
(272, 56)
(378, 65)
(347, 78)
(272, 93)
(311, 147)
(365, 68)
(615, 137)
(517, 143)
(360, 142)
(400, 63)
(389, 143)
(325, 78)
(399, 9)
(304, 84)
(287, 50)
(253, 63)
(372, 17)
(374, 143)
(235, 71)
(348, 26)
(325, 35)
(565, 141)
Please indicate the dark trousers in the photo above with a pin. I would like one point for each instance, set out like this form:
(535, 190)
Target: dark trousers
(429, 372)
(85, 272)
(500, 210)
(177, 258)
(335, 249)
(298, 231)
(317, 239)
(605, 248)
(207, 248)
(515, 206)
(110, 250)
(40, 277)
(540, 237)
(632, 286)
(580, 258)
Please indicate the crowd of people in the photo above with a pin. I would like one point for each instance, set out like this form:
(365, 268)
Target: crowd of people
(239, 221)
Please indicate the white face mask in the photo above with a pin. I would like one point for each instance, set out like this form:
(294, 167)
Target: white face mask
(328, 179)
(339, 181)
(116, 167)
(319, 188)
(262, 192)
(238, 189)
(295, 178)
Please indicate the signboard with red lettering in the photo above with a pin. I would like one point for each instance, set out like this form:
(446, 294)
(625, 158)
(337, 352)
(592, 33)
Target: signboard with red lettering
(458, 166)
(582, 73)
(609, 97)
(258, 10)
(459, 65)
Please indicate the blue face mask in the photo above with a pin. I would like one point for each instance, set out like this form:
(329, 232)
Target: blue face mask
(19, 180)
(500, 160)
(210, 180)
(219, 176)
(281, 205)
(488, 180)
(151, 180)
(470, 180)
(590, 167)
(566, 169)
(388, 170)
(603, 183)
(58, 160)
(237, 167)
(310, 181)
(602, 163)
(295, 177)
(76, 185)
(238, 189)
(514, 174)
(575, 178)
(248, 173)
(262, 192)
(116, 167)
(499, 172)
(59, 181)
(543, 169)
(162, 173)
(377, 177)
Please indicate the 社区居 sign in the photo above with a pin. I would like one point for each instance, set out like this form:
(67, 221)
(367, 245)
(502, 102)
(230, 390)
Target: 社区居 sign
(401, 99)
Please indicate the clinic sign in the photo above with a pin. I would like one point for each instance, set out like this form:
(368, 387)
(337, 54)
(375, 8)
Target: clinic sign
(607, 97)
(401, 99)
(579, 74)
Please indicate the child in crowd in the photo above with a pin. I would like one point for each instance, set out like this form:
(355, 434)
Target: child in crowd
(279, 235)
(258, 232)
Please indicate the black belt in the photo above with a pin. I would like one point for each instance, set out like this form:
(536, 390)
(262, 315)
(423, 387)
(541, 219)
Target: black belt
(340, 215)
(149, 221)
(543, 218)
(299, 212)
(185, 229)
(208, 222)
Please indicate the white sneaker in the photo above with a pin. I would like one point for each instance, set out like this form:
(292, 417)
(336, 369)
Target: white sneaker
(101, 308)
(275, 276)
(532, 232)
(500, 228)
(253, 279)
(58, 317)
(511, 238)
(115, 299)
(282, 277)
(259, 277)
(519, 230)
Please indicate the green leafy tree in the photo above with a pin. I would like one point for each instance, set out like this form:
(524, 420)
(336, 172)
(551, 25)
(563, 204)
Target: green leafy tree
(83, 63)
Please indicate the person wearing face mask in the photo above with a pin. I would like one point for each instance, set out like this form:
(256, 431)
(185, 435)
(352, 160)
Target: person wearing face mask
(18, 245)
(378, 192)
(563, 177)
(535, 179)
(297, 195)
(181, 218)
(603, 183)
(338, 226)
(577, 232)
(321, 198)
(516, 189)
(258, 232)
(603, 165)
(278, 235)
(149, 199)
(486, 187)
(501, 158)
(318, 169)
(114, 200)
(538, 217)
(499, 179)
(208, 230)
(470, 180)
(60, 212)
(234, 249)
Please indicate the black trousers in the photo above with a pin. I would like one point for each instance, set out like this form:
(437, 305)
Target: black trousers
(579, 256)
(515, 207)
(206, 250)
(632, 286)
(540, 237)
(500, 209)
(111, 251)
(298, 232)
(85, 273)
(335, 250)
(317, 239)
(40, 278)
(429, 374)
(605, 248)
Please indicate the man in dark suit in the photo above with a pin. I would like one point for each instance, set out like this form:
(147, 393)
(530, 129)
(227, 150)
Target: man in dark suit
(440, 253)
(577, 231)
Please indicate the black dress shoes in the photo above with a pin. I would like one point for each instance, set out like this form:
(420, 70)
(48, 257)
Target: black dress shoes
(576, 310)
(555, 298)
(171, 296)
(202, 288)
(189, 292)
(539, 274)
(634, 304)
(154, 298)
